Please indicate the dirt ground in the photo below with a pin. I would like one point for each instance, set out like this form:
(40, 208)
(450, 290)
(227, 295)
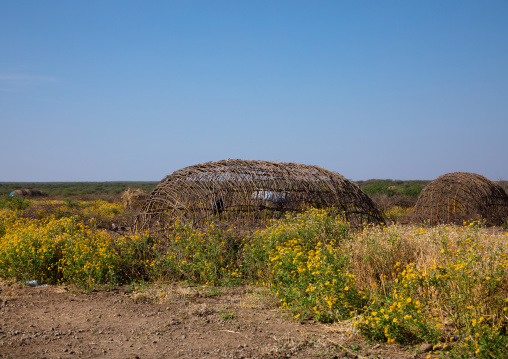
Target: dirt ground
(168, 321)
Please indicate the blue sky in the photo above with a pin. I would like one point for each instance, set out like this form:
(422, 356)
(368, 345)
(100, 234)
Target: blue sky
(134, 90)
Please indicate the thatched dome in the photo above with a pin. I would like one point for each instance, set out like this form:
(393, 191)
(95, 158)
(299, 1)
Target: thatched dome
(27, 193)
(252, 191)
(461, 196)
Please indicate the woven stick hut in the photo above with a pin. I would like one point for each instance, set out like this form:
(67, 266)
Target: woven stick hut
(27, 193)
(250, 191)
(462, 197)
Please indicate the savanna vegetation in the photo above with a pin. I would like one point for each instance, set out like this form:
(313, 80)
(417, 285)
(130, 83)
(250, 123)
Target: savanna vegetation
(74, 189)
(396, 282)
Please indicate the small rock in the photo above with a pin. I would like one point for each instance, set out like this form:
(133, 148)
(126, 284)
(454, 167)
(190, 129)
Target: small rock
(425, 347)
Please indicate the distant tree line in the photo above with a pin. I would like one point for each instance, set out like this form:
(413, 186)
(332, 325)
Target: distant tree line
(411, 188)
(75, 188)
(392, 187)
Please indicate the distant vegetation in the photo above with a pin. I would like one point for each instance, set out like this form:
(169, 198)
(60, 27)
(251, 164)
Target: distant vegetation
(371, 187)
(392, 187)
(75, 188)
(504, 184)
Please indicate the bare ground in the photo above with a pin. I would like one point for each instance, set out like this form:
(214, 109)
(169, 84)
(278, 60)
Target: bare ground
(168, 321)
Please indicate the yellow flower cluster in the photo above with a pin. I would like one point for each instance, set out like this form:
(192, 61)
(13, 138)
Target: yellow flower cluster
(394, 213)
(207, 256)
(308, 264)
(62, 249)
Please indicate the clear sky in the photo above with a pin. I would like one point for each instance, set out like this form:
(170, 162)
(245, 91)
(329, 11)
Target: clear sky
(134, 90)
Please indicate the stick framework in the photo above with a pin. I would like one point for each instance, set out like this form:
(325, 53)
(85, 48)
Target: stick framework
(461, 197)
(251, 191)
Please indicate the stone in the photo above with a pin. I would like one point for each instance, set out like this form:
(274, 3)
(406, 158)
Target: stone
(426, 347)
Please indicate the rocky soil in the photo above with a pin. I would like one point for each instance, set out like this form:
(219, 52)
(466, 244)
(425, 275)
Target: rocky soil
(168, 321)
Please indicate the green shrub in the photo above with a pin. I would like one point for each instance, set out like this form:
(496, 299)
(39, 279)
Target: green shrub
(207, 257)
(31, 249)
(302, 258)
(14, 203)
(54, 250)
(380, 188)
(412, 191)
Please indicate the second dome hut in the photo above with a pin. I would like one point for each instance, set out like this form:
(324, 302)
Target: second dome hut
(461, 197)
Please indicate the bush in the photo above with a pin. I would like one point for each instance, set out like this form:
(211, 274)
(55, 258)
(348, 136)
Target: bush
(303, 259)
(206, 257)
(65, 250)
(14, 203)
(412, 191)
(380, 188)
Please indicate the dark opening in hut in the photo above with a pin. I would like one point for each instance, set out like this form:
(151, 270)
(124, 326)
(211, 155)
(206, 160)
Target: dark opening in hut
(461, 197)
(251, 191)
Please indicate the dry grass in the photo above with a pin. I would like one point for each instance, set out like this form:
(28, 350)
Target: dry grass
(464, 254)
(259, 298)
(134, 199)
(162, 293)
(378, 251)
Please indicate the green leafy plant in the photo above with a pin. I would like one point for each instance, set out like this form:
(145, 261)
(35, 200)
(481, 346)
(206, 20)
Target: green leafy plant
(14, 203)
(227, 315)
(413, 190)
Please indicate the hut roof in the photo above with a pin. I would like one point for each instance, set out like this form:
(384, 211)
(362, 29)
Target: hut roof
(461, 197)
(236, 189)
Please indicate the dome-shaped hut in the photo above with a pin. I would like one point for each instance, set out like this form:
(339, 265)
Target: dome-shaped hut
(461, 197)
(233, 190)
(27, 193)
